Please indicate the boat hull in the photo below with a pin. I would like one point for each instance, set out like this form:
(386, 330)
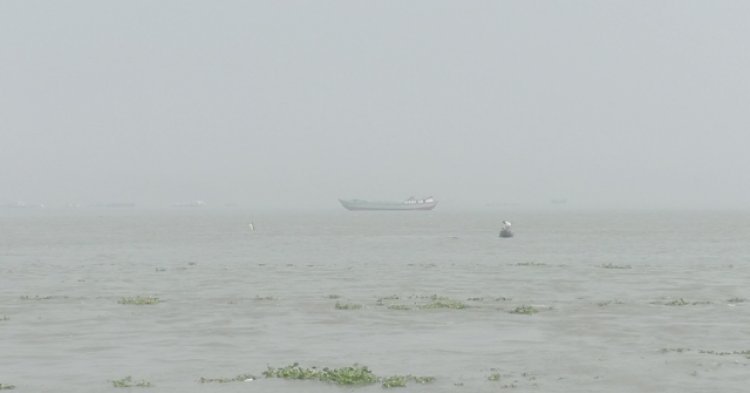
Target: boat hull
(357, 205)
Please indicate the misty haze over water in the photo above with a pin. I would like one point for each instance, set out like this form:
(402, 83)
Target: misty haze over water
(170, 176)
(277, 104)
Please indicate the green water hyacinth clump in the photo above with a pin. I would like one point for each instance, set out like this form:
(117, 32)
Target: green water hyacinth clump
(399, 381)
(613, 266)
(526, 310)
(4, 386)
(352, 375)
(442, 303)
(139, 300)
(128, 382)
(239, 378)
(347, 306)
(494, 377)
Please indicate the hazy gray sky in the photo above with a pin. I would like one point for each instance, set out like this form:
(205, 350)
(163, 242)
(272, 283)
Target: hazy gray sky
(263, 103)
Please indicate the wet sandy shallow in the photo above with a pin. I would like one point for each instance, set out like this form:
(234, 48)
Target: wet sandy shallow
(621, 309)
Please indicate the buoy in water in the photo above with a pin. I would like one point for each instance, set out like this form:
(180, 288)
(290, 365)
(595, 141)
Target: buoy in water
(505, 231)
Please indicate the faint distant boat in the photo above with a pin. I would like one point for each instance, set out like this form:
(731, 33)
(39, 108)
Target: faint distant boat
(196, 203)
(505, 231)
(412, 203)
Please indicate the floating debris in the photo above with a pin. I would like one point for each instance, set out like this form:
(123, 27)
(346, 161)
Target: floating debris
(526, 310)
(613, 266)
(128, 382)
(139, 300)
(347, 306)
(352, 375)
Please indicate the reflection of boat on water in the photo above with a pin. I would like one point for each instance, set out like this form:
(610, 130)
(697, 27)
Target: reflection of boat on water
(505, 231)
(412, 203)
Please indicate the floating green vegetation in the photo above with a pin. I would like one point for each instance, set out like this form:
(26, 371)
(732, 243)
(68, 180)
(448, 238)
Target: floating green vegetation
(347, 306)
(735, 300)
(745, 353)
(608, 302)
(160, 269)
(502, 299)
(526, 310)
(264, 298)
(36, 297)
(352, 375)
(139, 300)
(438, 302)
(613, 266)
(530, 264)
(475, 299)
(239, 378)
(334, 296)
(4, 386)
(677, 350)
(400, 307)
(128, 382)
(399, 381)
(494, 377)
(381, 300)
(396, 381)
(677, 302)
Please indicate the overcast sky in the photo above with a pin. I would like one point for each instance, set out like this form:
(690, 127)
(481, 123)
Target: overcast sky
(266, 103)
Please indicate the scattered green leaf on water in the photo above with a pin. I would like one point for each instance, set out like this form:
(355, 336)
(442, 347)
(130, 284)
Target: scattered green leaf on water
(347, 306)
(160, 269)
(526, 310)
(401, 307)
(745, 353)
(399, 381)
(613, 266)
(438, 302)
(396, 381)
(334, 296)
(422, 380)
(475, 299)
(36, 297)
(608, 302)
(352, 375)
(128, 382)
(678, 350)
(494, 377)
(530, 264)
(6, 387)
(264, 298)
(239, 378)
(677, 302)
(139, 300)
(736, 300)
(381, 301)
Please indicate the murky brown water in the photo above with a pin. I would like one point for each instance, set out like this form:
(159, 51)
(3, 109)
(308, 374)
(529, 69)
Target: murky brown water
(235, 301)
